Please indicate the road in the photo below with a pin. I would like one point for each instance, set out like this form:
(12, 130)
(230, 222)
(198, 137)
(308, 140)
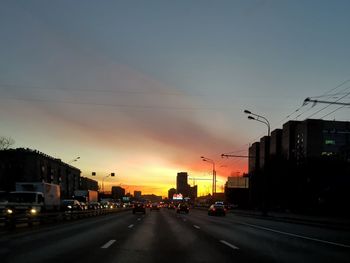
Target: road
(165, 236)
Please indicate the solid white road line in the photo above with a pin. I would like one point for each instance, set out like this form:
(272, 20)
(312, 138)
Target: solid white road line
(131, 226)
(298, 236)
(195, 226)
(228, 244)
(108, 244)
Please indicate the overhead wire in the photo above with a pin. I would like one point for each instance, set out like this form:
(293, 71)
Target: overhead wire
(150, 92)
(333, 111)
(327, 93)
(327, 106)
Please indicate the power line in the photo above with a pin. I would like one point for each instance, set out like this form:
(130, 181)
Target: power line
(150, 92)
(116, 105)
(333, 111)
(347, 94)
(307, 110)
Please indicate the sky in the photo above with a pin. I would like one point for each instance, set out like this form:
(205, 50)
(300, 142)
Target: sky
(143, 89)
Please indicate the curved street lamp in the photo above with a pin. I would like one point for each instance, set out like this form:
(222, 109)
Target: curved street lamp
(259, 118)
(265, 121)
(214, 172)
(74, 160)
(103, 180)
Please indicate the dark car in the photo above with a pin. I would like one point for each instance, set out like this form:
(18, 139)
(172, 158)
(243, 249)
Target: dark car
(71, 205)
(155, 206)
(171, 206)
(139, 208)
(217, 210)
(183, 208)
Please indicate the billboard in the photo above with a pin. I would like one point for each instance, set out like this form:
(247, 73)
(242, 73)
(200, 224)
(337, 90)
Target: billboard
(177, 197)
(238, 182)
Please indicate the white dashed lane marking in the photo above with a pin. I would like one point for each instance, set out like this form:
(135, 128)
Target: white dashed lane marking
(228, 244)
(131, 226)
(195, 226)
(108, 244)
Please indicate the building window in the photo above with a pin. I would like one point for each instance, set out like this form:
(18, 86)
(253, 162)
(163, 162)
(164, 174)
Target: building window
(329, 142)
(327, 153)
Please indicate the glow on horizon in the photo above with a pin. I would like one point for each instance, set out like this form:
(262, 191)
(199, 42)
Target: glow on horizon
(144, 92)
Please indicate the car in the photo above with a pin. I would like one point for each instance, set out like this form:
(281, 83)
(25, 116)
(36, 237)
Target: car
(68, 205)
(155, 206)
(171, 206)
(183, 208)
(217, 210)
(139, 207)
(94, 206)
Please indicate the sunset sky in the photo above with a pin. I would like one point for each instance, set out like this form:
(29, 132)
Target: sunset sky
(144, 88)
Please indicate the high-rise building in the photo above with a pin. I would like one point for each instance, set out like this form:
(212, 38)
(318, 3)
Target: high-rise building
(254, 157)
(182, 187)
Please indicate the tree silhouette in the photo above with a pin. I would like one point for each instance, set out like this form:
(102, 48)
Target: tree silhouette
(6, 142)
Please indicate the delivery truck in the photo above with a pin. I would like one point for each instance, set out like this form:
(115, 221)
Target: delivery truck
(31, 200)
(86, 196)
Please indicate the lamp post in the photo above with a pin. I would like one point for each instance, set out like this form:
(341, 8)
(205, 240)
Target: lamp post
(103, 179)
(74, 160)
(214, 172)
(259, 118)
(265, 198)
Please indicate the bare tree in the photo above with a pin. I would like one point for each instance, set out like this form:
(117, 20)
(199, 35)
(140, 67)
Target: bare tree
(6, 142)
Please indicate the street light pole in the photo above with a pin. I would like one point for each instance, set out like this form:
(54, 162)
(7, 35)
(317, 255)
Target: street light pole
(103, 179)
(259, 117)
(265, 186)
(74, 160)
(214, 172)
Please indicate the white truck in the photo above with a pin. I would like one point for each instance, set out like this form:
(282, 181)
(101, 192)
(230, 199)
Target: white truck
(30, 200)
(86, 196)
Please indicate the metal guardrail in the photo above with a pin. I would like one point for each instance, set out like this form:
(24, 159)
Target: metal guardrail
(11, 222)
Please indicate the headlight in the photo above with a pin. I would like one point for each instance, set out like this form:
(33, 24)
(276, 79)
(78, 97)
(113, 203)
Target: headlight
(69, 206)
(9, 211)
(33, 211)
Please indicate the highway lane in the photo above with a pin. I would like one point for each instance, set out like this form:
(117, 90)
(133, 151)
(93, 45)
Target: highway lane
(274, 241)
(165, 236)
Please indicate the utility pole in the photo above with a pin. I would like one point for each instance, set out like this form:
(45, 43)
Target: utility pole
(307, 100)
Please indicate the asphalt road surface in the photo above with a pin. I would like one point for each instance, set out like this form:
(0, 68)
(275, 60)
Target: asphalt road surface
(164, 236)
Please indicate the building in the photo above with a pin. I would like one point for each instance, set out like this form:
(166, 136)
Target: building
(26, 165)
(276, 143)
(254, 157)
(264, 153)
(171, 193)
(88, 184)
(152, 198)
(288, 139)
(305, 167)
(193, 192)
(118, 192)
(137, 194)
(182, 187)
